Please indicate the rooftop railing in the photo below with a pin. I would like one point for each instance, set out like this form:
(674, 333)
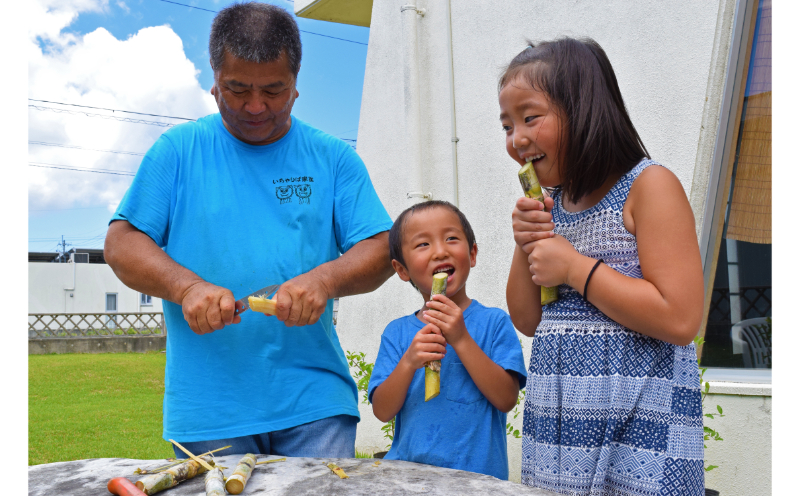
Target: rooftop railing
(103, 325)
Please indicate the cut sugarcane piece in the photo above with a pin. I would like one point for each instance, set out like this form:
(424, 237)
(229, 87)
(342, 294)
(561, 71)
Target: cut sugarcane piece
(215, 484)
(432, 379)
(139, 471)
(237, 481)
(338, 471)
(532, 189)
(433, 368)
(172, 476)
(262, 304)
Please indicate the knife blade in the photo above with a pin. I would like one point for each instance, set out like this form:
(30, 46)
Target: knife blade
(265, 292)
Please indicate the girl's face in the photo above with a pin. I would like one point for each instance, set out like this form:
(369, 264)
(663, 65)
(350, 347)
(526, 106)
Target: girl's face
(533, 128)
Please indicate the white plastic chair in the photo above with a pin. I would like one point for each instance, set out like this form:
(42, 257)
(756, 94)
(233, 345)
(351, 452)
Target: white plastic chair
(750, 340)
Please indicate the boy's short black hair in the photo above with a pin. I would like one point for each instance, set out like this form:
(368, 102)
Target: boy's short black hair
(396, 232)
(578, 79)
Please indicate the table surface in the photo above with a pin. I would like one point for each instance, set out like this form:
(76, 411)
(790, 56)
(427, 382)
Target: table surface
(294, 477)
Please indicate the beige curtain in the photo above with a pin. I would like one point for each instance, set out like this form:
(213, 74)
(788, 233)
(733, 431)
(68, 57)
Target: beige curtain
(750, 216)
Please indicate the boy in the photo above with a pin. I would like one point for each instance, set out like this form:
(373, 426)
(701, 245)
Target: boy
(482, 367)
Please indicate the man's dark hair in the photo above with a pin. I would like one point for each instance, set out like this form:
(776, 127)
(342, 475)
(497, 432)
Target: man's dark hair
(579, 81)
(255, 32)
(398, 228)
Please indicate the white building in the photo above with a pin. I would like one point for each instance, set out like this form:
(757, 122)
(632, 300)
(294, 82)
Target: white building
(86, 286)
(693, 81)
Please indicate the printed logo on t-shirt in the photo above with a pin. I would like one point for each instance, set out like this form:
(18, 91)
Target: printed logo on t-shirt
(286, 189)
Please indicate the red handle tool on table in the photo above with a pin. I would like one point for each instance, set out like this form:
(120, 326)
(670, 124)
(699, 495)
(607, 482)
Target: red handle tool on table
(123, 487)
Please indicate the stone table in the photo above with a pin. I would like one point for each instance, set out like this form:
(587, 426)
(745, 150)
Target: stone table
(294, 477)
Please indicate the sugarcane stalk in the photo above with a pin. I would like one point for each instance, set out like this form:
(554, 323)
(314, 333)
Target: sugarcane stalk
(532, 189)
(237, 481)
(338, 471)
(262, 462)
(262, 304)
(215, 483)
(172, 476)
(434, 367)
(173, 463)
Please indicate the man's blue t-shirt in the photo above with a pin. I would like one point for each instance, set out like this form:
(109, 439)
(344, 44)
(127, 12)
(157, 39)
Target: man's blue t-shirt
(458, 429)
(243, 217)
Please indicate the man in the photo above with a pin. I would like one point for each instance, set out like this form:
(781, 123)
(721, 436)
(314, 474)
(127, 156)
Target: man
(229, 204)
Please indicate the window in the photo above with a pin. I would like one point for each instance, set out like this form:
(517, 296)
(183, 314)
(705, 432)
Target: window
(145, 299)
(111, 307)
(738, 234)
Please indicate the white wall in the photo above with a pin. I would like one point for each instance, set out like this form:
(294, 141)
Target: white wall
(670, 60)
(47, 283)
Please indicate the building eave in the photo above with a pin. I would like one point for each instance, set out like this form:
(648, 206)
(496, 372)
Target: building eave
(353, 12)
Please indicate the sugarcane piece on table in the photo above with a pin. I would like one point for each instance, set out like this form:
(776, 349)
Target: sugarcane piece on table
(237, 481)
(172, 476)
(434, 367)
(173, 463)
(532, 189)
(215, 483)
(338, 471)
(262, 304)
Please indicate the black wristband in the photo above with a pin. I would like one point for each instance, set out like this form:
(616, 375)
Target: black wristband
(586, 286)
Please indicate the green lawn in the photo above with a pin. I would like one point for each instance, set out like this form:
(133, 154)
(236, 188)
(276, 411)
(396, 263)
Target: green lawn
(95, 406)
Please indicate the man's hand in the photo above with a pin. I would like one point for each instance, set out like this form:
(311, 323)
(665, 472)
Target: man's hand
(428, 345)
(531, 223)
(208, 308)
(447, 316)
(302, 300)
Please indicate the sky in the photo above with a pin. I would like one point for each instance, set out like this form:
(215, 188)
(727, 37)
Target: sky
(151, 57)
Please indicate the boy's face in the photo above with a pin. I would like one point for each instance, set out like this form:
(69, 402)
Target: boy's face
(434, 241)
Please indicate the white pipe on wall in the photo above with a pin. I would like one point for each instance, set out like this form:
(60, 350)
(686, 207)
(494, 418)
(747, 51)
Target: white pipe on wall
(453, 135)
(68, 291)
(410, 13)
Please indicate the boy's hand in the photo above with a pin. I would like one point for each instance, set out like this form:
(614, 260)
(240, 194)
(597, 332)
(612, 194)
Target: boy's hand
(427, 345)
(531, 223)
(447, 316)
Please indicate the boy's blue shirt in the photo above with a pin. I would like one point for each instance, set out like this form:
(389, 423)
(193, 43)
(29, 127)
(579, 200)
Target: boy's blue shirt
(460, 428)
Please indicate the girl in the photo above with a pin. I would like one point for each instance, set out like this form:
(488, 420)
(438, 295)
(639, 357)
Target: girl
(613, 403)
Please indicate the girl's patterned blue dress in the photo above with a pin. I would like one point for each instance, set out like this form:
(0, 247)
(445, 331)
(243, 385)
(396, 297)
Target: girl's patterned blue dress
(609, 411)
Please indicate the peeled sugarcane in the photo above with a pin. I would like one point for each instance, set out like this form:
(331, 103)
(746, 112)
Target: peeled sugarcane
(173, 463)
(215, 483)
(336, 469)
(532, 188)
(433, 368)
(262, 304)
(172, 476)
(237, 481)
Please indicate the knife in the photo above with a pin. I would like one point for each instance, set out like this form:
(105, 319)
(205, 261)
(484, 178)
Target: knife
(265, 292)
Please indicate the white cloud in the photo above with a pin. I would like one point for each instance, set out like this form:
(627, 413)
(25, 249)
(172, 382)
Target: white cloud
(148, 72)
(124, 7)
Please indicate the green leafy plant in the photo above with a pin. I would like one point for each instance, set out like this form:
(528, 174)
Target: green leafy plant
(510, 431)
(361, 370)
(709, 434)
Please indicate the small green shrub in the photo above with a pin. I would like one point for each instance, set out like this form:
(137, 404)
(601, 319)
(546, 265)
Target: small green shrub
(709, 434)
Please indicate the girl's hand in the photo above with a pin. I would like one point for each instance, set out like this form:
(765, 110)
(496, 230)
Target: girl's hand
(531, 223)
(550, 260)
(447, 316)
(428, 345)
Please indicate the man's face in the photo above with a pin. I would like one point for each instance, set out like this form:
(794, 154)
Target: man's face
(255, 99)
